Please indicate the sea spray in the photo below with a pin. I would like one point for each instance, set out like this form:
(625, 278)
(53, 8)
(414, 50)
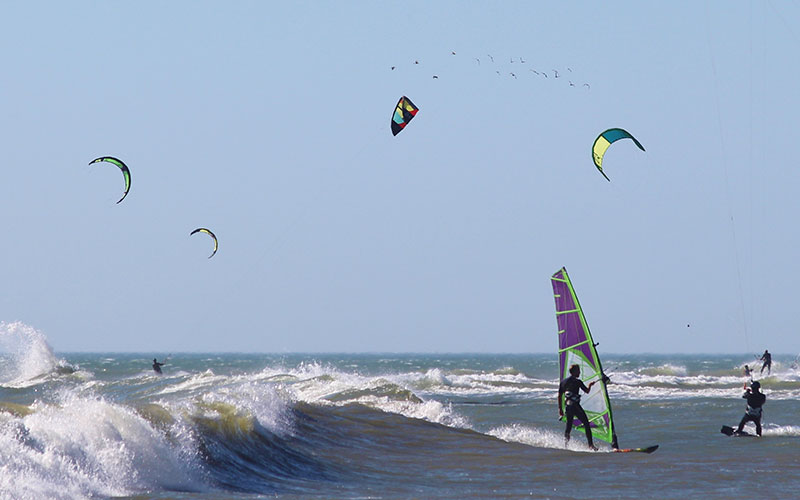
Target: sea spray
(87, 447)
(28, 356)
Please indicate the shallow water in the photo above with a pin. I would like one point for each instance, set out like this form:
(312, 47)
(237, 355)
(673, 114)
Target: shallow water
(379, 426)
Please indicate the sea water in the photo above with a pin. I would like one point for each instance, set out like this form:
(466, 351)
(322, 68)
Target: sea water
(241, 426)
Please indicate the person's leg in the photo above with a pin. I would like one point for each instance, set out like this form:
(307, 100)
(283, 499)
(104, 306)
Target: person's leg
(758, 425)
(570, 417)
(581, 415)
(744, 420)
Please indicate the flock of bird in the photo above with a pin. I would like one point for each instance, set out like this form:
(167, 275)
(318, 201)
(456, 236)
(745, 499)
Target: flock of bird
(552, 74)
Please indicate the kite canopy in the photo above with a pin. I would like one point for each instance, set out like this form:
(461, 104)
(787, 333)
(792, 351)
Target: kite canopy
(605, 140)
(125, 172)
(204, 230)
(404, 112)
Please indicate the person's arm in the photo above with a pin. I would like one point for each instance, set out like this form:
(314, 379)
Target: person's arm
(587, 389)
(560, 400)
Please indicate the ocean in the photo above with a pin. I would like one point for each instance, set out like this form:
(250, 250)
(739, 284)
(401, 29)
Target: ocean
(357, 426)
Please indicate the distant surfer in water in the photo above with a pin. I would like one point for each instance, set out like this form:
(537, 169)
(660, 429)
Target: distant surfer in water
(157, 366)
(748, 372)
(755, 400)
(767, 359)
(570, 388)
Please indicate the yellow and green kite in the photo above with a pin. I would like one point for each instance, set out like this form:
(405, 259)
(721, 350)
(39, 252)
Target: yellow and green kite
(125, 172)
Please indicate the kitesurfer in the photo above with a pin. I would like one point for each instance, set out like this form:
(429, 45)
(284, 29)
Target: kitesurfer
(755, 400)
(157, 366)
(767, 359)
(570, 388)
(748, 372)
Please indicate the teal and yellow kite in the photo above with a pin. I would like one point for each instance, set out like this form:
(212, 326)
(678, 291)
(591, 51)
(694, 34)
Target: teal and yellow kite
(204, 230)
(404, 112)
(125, 172)
(605, 140)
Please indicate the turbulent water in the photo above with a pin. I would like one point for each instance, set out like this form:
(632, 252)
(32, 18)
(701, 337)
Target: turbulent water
(219, 426)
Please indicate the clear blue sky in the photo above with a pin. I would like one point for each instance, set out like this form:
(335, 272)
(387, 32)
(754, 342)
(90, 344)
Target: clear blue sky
(268, 123)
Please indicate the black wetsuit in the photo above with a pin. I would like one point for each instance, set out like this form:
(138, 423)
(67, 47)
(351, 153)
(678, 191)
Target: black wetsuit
(755, 400)
(767, 358)
(157, 366)
(571, 386)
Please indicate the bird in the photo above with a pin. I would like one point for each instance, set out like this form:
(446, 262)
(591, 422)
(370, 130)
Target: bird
(587, 86)
(479, 61)
(522, 60)
(535, 71)
(393, 67)
(416, 62)
(490, 57)
(571, 84)
(453, 52)
(512, 74)
(556, 72)
(435, 76)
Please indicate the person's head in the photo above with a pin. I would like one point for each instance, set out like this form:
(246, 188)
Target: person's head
(746, 367)
(154, 360)
(766, 351)
(756, 385)
(575, 370)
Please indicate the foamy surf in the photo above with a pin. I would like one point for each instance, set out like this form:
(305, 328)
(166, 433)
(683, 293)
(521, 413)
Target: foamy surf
(29, 359)
(87, 447)
(541, 438)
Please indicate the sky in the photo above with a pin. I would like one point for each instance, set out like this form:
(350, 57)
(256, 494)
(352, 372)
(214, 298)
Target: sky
(268, 123)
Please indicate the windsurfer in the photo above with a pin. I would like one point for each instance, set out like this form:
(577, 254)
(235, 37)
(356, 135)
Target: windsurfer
(571, 387)
(755, 400)
(767, 359)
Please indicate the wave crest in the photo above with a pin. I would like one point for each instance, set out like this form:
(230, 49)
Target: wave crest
(29, 358)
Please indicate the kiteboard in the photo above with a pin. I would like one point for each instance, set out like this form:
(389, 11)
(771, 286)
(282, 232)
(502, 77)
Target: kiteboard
(576, 346)
(729, 431)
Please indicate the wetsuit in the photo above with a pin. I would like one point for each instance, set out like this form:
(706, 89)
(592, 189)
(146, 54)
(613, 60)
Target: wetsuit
(157, 366)
(571, 387)
(755, 400)
(767, 358)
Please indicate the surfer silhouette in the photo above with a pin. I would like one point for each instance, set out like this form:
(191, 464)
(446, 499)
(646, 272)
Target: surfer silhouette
(570, 388)
(748, 372)
(767, 359)
(755, 400)
(157, 366)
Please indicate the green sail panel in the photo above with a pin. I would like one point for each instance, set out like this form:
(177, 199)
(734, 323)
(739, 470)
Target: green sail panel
(575, 346)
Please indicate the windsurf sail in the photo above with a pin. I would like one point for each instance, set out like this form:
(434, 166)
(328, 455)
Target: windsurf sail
(575, 346)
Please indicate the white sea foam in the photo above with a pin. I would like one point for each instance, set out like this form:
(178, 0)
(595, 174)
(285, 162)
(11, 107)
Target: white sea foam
(540, 438)
(780, 430)
(264, 402)
(319, 384)
(29, 358)
(86, 447)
